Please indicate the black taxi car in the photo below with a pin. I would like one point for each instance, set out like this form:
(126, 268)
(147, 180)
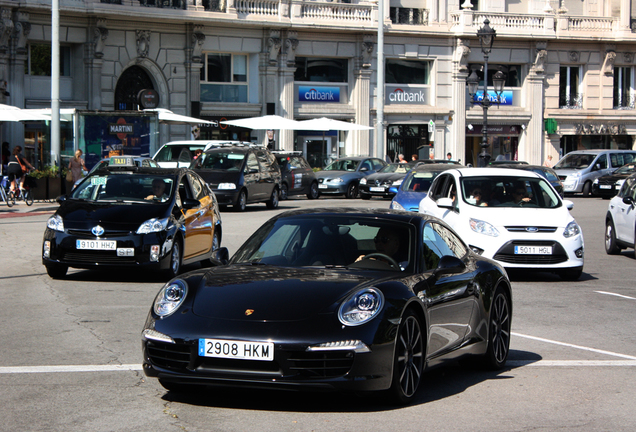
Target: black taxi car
(240, 174)
(124, 215)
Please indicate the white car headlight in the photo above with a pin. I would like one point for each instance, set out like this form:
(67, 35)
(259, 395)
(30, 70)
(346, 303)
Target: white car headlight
(571, 230)
(595, 181)
(170, 297)
(396, 205)
(483, 227)
(574, 175)
(153, 225)
(363, 181)
(361, 306)
(55, 223)
(227, 186)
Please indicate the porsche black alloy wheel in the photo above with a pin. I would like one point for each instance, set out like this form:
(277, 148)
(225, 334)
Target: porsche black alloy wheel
(610, 239)
(241, 201)
(499, 331)
(409, 359)
(175, 260)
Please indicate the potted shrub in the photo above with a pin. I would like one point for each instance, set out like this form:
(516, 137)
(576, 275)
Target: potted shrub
(48, 183)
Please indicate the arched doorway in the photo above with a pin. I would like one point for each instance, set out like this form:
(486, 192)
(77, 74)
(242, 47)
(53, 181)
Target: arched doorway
(130, 83)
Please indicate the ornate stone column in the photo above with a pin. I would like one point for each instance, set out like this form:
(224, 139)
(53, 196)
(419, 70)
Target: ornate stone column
(457, 142)
(15, 85)
(94, 63)
(361, 95)
(6, 31)
(532, 148)
(193, 65)
(286, 74)
(270, 89)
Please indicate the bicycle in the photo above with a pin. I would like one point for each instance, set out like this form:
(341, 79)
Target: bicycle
(3, 193)
(23, 194)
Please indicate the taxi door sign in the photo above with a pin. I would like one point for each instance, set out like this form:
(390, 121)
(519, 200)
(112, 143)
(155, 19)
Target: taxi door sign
(122, 161)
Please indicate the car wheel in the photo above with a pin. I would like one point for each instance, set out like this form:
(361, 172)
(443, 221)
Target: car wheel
(586, 189)
(365, 196)
(241, 202)
(352, 191)
(314, 193)
(56, 271)
(283, 192)
(498, 331)
(408, 362)
(216, 243)
(273, 200)
(571, 274)
(611, 248)
(175, 260)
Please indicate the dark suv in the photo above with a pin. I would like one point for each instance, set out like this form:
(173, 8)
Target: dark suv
(298, 178)
(240, 174)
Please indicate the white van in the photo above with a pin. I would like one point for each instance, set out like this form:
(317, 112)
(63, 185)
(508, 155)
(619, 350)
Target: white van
(578, 169)
(179, 154)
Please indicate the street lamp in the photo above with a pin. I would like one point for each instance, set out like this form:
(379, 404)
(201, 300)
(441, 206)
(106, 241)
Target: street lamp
(486, 38)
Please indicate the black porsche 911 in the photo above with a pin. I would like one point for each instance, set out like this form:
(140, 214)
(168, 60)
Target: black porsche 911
(349, 299)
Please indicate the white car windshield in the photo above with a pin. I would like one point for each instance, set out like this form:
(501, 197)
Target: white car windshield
(343, 165)
(575, 161)
(507, 191)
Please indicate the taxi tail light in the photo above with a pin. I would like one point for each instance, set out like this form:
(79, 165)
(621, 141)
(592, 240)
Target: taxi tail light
(154, 253)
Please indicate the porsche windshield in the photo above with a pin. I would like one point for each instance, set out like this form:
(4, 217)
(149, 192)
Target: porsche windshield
(507, 191)
(142, 188)
(331, 241)
(343, 165)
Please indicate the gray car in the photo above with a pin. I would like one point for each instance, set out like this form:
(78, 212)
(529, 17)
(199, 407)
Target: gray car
(342, 177)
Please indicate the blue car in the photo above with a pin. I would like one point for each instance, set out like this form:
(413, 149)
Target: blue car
(415, 186)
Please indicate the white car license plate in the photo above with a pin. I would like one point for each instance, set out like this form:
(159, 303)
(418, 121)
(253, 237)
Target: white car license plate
(233, 349)
(322, 186)
(96, 244)
(376, 189)
(533, 250)
(605, 187)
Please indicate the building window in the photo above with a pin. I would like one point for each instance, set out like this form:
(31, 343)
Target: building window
(624, 88)
(224, 78)
(39, 60)
(321, 70)
(412, 16)
(514, 77)
(570, 96)
(399, 71)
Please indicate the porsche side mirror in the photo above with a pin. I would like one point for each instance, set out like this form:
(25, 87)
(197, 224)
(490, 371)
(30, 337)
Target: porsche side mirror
(449, 265)
(190, 203)
(221, 256)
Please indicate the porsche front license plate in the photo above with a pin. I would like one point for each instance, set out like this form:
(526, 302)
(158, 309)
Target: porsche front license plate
(533, 250)
(240, 350)
(96, 244)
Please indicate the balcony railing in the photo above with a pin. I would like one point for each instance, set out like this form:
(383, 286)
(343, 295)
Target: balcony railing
(572, 102)
(409, 16)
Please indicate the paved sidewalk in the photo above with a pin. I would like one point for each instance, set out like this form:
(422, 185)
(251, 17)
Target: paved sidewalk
(20, 209)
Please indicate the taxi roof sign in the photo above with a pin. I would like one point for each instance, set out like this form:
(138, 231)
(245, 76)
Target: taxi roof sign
(121, 161)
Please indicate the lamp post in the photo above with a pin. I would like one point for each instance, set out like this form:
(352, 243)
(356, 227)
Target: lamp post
(486, 38)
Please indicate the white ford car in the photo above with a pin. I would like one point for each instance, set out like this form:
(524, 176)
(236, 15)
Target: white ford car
(512, 216)
(620, 222)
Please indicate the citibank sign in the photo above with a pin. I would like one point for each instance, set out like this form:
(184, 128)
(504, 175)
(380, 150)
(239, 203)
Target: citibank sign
(406, 95)
(318, 94)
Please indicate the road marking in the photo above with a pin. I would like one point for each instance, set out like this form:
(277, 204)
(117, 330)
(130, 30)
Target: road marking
(617, 295)
(574, 346)
(69, 368)
(572, 363)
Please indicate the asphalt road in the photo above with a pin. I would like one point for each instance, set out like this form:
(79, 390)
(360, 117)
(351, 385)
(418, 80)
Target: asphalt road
(70, 352)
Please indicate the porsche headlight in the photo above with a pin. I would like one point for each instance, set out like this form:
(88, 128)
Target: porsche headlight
(571, 230)
(170, 297)
(361, 307)
(483, 227)
(227, 186)
(55, 223)
(153, 225)
(363, 181)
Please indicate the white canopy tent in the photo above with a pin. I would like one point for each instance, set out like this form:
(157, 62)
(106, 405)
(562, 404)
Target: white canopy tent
(265, 123)
(168, 117)
(15, 114)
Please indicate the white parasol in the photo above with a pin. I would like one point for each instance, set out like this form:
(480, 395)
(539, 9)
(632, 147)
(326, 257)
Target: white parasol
(168, 117)
(11, 113)
(265, 123)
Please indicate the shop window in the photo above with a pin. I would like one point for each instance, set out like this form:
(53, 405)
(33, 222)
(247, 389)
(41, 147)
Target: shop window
(400, 71)
(321, 70)
(39, 60)
(224, 78)
(570, 96)
(513, 73)
(624, 97)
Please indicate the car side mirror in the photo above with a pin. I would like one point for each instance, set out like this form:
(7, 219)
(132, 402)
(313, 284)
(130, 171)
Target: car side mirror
(628, 200)
(449, 265)
(393, 189)
(61, 199)
(364, 169)
(568, 204)
(190, 203)
(221, 256)
(445, 203)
